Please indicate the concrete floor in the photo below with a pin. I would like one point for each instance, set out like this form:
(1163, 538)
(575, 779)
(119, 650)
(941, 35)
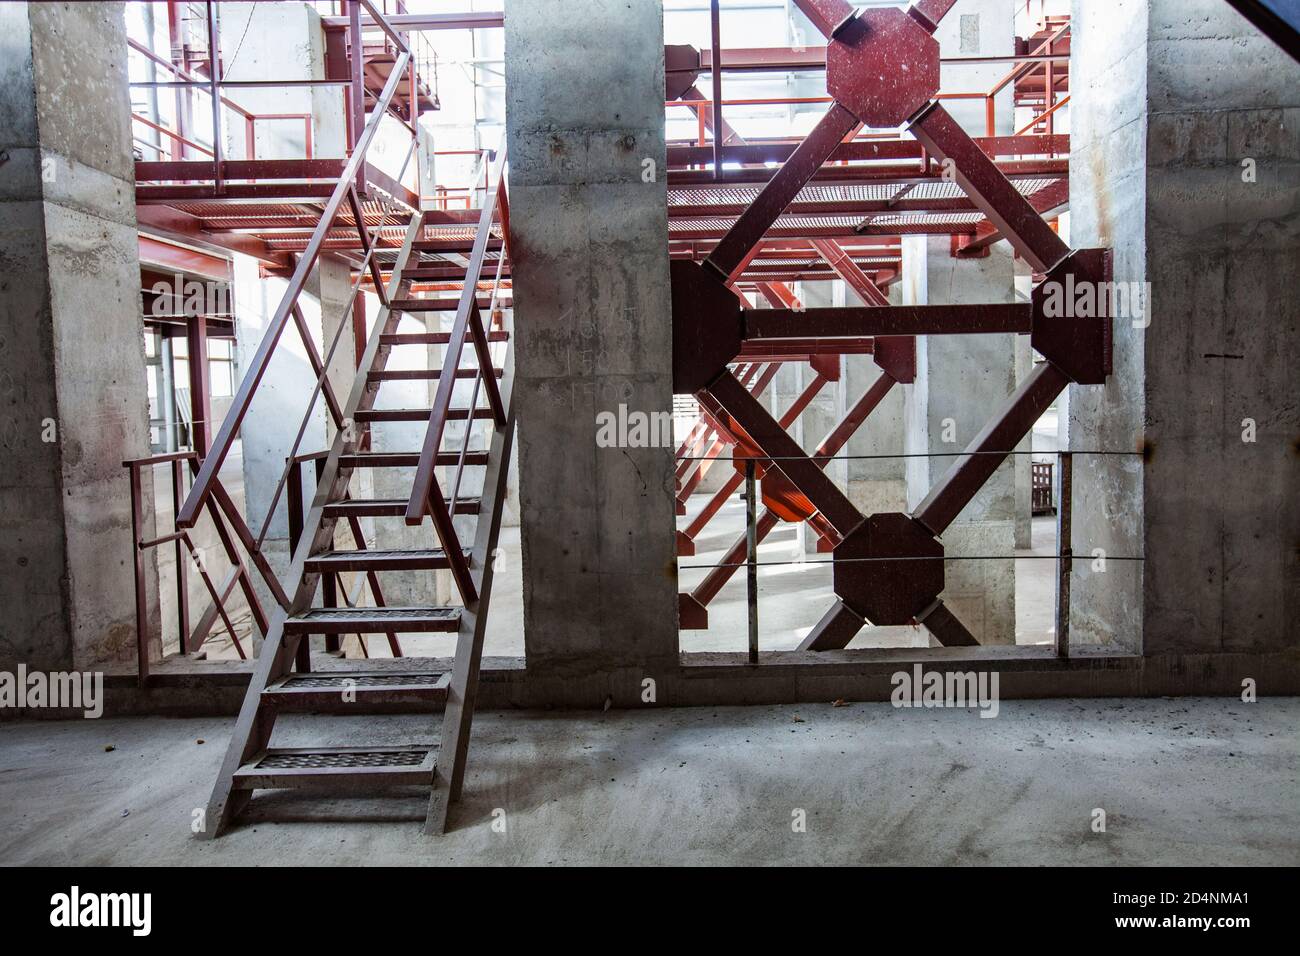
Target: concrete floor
(1183, 781)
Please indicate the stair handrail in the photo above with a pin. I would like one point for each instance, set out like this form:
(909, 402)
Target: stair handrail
(466, 315)
(231, 424)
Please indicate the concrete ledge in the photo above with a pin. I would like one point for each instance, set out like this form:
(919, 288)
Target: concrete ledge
(183, 687)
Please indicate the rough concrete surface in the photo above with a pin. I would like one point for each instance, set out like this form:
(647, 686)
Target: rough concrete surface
(1182, 781)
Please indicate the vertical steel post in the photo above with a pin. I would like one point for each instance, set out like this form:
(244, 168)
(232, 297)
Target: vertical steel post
(356, 90)
(293, 492)
(1065, 562)
(715, 17)
(751, 557)
(196, 333)
(329, 592)
(214, 90)
(182, 588)
(137, 555)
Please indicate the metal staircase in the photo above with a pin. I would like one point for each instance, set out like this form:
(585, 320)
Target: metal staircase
(283, 680)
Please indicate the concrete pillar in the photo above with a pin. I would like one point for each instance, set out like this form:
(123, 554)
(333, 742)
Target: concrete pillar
(1171, 98)
(72, 373)
(960, 382)
(585, 88)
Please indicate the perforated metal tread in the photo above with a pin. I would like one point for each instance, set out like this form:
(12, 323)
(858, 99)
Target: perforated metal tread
(373, 620)
(380, 560)
(338, 768)
(409, 459)
(422, 374)
(355, 692)
(389, 507)
(434, 338)
(416, 414)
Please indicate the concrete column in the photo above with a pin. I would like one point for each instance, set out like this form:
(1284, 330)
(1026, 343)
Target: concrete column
(960, 382)
(585, 88)
(72, 374)
(1170, 100)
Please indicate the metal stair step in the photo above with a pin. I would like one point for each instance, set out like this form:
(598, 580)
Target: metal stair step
(348, 691)
(408, 459)
(416, 414)
(390, 507)
(416, 304)
(373, 620)
(338, 768)
(431, 559)
(422, 374)
(435, 338)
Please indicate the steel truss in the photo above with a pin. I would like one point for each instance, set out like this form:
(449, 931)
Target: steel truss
(882, 70)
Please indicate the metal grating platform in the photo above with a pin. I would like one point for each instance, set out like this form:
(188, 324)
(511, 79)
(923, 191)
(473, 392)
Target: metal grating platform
(336, 760)
(344, 681)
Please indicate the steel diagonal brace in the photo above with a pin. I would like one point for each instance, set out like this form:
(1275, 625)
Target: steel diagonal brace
(844, 267)
(775, 443)
(729, 256)
(722, 440)
(706, 428)
(991, 447)
(693, 606)
(1010, 212)
(897, 565)
(733, 482)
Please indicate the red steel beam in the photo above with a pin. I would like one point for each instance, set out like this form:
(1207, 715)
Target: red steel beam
(981, 179)
(775, 325)
(729, 256)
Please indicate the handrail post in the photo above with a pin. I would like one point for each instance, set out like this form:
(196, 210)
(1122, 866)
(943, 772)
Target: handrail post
(1065, 562)
(182, 585)
(214, 90)
(137, 558)
(751, 559)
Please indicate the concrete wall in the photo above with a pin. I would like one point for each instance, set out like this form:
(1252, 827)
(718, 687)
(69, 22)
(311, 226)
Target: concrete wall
(960, 382)
(280, 41)
(1190, 89)
(72, 376)
(585, 90)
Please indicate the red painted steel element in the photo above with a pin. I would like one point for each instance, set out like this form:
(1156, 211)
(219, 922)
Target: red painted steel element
(848, 270)
(885, 591)
(928, 13)
(864, 67)
(788, 417)
(785, 453)
(729, 256)
(775, 325)
(693, 606)
(977, 174)
(1074, 331)
(828, 16)
(991, 446)
(707, 329)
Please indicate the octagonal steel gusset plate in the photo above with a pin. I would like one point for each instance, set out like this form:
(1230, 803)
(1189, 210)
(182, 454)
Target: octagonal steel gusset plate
(707, 326)
(883, 67)
(1072, 316)
(889, 591)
